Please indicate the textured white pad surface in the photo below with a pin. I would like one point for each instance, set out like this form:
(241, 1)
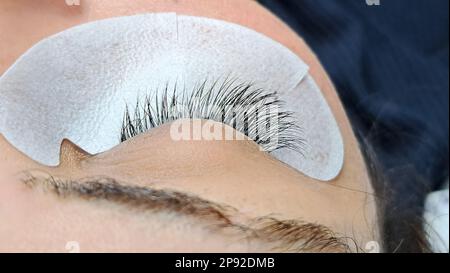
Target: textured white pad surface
(75, 84)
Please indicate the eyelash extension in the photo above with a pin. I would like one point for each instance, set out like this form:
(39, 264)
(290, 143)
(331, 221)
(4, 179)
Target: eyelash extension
(251, 108)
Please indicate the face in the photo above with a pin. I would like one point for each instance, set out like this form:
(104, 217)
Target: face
(151, 193)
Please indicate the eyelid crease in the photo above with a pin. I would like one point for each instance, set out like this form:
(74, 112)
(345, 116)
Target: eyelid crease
(280, 235)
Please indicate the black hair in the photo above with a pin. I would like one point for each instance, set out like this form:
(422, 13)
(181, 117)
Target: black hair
(401, 224)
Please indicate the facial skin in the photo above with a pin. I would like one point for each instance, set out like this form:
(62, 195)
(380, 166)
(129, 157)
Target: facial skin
(235, 173)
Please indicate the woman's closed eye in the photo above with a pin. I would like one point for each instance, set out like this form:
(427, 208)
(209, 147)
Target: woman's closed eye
(251, 111)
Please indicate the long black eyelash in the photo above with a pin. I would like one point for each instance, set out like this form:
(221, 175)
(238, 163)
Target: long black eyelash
(250, 106)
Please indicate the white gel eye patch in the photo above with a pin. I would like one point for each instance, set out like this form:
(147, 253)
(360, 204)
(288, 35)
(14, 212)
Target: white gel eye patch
(76, 84)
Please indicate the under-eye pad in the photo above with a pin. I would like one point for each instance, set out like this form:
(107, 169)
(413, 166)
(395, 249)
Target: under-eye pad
(76, 84)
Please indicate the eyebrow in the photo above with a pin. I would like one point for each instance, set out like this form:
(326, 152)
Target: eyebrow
(282, 235)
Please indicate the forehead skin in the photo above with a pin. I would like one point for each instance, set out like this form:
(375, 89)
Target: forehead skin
(222, 175)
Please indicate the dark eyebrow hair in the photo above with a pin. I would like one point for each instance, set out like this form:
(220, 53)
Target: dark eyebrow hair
(281, 235)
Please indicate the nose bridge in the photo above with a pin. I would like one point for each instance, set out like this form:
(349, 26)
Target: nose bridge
(71, 154)
(12, 161)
